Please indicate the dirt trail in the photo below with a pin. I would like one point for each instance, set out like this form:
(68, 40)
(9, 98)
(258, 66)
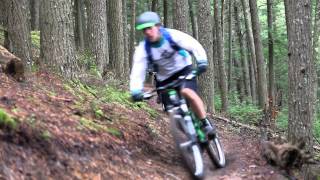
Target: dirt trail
(54, 139)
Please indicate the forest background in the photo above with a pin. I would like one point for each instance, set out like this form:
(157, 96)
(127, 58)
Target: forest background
(252, 61)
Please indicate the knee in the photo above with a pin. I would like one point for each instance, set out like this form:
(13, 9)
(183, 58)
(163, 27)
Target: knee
(187, 93)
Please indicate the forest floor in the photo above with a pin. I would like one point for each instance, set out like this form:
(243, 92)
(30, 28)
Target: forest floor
(60, 135)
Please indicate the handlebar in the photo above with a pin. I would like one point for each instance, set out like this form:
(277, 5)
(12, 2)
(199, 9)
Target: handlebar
(173, 84)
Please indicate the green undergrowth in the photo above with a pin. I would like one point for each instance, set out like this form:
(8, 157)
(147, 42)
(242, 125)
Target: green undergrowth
(6, 120)
(246, 113)
(94, 126)
(282, 119)
(35, 39)
(111, 94)
(87, 61)
(250, 114)
(241, 111)
(46, 135)
(96, 97)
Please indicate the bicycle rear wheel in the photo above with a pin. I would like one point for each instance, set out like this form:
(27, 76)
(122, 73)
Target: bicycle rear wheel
(215, 151)
(190, 152)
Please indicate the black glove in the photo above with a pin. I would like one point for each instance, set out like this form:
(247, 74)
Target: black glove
(202, 66)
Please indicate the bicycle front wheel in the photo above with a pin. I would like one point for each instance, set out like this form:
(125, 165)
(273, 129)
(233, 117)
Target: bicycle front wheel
(190, 152)
(215, 151)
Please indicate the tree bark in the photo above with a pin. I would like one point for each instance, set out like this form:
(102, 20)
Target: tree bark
(220, 56)
(18, 30)
(3, 13)
(205, 38)
(34, 11)
(181, 15)
(243, 57)
(193, 19)
(239, 80)
(132, 32)
(154, 5)
(116, 37)
(302, 74)
(57, 43)
(97, 32)
(252, 62)
(230, 3)
(262, 87)
(11, 65)
(80, 25)
(270, 64)
(125, 39)
(316, 46)
(165, 13)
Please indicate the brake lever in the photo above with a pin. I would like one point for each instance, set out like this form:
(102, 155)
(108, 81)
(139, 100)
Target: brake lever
(148, 95)
(192, 75)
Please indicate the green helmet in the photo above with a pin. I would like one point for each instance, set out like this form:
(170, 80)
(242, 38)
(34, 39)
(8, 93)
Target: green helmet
(147, 19)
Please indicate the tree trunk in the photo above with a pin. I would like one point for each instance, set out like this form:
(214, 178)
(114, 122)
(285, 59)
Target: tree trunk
(220, 56)
(316, 46)
(57, 43)
(18, 30)
(253, 65)
(154, 6)
(116, 37)
(193, 19)
(243, 57)
(180, 13)
(253, 84)
(132, 32)
(11, 65)
(302, 75)
(262, 87)
(229, 43)
(3, 13)
(165, 13)
(301, 72)
(125, 39)
(97, 32)
(270, 64)
(205, 38)
(34, 11)
(239, 80)
(79, 24)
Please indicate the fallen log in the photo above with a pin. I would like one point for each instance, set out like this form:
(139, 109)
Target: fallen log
(286, 155)
(11, 65)
(254, 129)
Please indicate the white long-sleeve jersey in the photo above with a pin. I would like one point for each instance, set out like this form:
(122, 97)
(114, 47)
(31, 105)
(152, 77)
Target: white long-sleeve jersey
(167, 60)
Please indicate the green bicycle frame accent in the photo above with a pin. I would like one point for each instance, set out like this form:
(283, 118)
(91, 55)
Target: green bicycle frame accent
(196, 122)
(197, 126)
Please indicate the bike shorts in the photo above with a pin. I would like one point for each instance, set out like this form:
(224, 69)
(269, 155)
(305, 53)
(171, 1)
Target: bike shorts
(191, 84)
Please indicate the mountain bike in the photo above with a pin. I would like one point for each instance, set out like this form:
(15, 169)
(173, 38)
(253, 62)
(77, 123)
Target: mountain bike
(186, 130)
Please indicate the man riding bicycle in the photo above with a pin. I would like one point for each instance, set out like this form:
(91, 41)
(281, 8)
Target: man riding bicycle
(168, 51)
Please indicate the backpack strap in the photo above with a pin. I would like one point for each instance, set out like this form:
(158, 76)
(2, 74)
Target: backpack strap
(147, 46)
(168, 37)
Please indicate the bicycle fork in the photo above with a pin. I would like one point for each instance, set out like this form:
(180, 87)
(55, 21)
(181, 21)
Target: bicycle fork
(192, 144)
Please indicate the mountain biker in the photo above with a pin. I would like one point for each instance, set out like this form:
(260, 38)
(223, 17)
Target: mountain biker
(169, 63)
